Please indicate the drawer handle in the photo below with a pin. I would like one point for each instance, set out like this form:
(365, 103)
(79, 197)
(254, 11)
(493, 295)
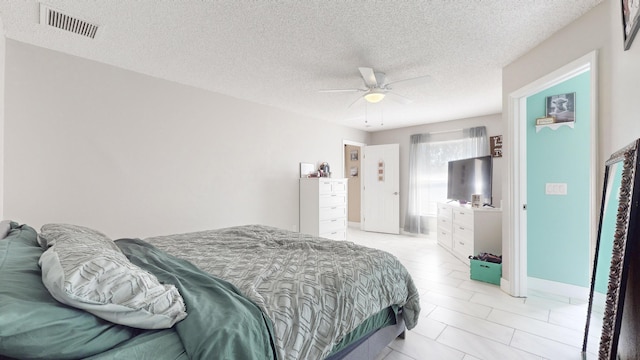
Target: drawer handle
(461, 228)
(460, 242)
(333, 208)
(334, 220)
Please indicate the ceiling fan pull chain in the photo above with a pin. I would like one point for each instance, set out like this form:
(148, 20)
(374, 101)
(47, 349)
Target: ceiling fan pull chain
(366, 114)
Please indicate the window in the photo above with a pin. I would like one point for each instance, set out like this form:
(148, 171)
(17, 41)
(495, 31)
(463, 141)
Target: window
(428, 166)
(433, 181)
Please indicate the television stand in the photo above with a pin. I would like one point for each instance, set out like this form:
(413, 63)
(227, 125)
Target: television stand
(466, 231)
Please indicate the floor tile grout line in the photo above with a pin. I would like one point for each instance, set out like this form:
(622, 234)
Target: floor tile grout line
(498, 342)
(482, 336)
(549, 339)
(514, 329)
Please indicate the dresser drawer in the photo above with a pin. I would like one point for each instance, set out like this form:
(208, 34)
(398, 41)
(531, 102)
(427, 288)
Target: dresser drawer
(332, 186)
(444, 237)
(444, 222)
(462, 231)
(339, 187)
(444, 211)
(462, 246)
(335, 235)
(325, 187)
(463, 217)
(333, 212)
(333, 200)
(332, 225)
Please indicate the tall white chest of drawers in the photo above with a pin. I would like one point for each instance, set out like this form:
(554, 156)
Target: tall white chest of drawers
(469, 231)
(323, 207)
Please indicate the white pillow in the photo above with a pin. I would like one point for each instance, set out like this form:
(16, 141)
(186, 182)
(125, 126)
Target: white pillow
(85, 269)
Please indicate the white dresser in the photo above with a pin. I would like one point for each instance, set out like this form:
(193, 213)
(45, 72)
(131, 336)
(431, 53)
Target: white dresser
(323, 207)
(469, 231)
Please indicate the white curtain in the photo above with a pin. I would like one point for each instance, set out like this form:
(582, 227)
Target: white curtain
(429, 155)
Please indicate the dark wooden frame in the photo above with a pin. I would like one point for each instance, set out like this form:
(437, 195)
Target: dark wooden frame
(634, 25)
(626, 233)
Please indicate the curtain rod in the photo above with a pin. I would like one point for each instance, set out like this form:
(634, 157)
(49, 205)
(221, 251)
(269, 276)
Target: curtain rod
(444, 131)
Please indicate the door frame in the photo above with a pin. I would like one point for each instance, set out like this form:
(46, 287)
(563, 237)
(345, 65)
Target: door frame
(353, 143)
(515, 229)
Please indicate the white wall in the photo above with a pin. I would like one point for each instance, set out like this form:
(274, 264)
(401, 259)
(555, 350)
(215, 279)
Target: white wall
(134, 155)
(618, 79)
(2, 62)
(401, 136)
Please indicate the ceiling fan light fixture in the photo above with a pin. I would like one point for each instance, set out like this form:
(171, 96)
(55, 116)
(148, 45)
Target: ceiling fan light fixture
(374, 96)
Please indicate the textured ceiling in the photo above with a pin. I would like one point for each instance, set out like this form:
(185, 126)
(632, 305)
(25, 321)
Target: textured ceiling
(280, 53)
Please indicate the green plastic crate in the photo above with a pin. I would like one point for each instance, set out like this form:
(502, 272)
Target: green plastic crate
(486, 271)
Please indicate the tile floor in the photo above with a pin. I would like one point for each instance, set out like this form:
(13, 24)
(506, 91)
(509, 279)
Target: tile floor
(465, 319)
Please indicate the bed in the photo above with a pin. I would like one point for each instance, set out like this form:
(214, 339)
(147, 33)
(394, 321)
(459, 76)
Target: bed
(247, 292)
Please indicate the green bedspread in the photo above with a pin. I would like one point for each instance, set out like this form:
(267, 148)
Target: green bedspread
(222, 324)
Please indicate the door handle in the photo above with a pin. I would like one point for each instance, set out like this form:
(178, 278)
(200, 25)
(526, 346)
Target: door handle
(395, 193)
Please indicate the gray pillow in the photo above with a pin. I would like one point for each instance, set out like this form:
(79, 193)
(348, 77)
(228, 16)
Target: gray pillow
(85, 269)
(5, 226)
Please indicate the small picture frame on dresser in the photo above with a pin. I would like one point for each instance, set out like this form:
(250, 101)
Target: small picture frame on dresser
(306, 169)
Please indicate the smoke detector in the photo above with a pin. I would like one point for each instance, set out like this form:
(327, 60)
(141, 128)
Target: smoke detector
(56, 18)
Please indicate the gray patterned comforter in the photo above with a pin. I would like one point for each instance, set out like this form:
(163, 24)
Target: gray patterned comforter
(315, 291)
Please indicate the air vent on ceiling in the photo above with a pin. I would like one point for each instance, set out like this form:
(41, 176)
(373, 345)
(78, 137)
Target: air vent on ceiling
(60, 20)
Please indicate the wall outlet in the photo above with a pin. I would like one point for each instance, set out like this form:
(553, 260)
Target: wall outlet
(555, 189)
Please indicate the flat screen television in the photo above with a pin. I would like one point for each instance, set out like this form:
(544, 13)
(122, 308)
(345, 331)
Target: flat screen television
(470, 176)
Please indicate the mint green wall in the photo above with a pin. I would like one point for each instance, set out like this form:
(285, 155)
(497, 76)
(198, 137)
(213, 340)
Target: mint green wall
(558, 225)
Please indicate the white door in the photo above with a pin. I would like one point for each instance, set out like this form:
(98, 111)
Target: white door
(381, 188)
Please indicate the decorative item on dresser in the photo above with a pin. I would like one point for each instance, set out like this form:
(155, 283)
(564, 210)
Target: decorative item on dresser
(469, 231)
(323, 207)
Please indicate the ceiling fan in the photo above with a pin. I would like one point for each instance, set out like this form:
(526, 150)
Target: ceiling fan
(377, 86)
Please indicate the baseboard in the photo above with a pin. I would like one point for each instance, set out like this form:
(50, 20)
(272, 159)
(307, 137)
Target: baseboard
(557, 288)
(505, 286)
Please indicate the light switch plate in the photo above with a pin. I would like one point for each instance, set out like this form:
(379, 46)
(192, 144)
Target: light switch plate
(555, 189)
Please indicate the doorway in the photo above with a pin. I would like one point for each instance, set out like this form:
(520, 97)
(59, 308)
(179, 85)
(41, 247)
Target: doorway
(381, 204)
(353, 172)
(517, 280)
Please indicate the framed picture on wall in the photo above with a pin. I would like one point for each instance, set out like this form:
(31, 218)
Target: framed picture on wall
(630, 17)
(495, 145)
(562, 107)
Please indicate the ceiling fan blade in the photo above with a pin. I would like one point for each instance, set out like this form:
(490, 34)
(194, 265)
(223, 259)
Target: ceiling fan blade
(422, 78)
(353, 103)
(340, 90)
(368, 76)
(399, 98)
